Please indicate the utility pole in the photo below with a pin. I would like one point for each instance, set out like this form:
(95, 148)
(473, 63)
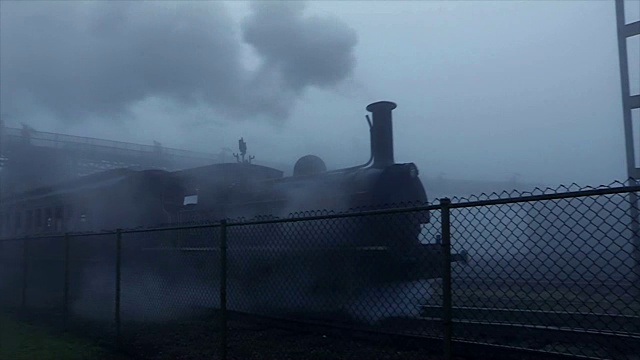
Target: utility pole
(629, 102)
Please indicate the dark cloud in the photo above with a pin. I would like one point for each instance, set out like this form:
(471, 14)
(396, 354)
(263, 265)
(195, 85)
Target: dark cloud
(77, 60)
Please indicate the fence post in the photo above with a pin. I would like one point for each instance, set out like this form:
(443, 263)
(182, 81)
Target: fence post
(635, 235)
(446, 277)
(118, 289)
(223, 289)
(65, 309)
(25, 259)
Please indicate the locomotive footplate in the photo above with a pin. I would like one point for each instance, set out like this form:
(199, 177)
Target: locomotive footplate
(392, 265)
(429, 261)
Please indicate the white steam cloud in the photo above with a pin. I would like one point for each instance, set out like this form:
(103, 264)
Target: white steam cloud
(79, 60)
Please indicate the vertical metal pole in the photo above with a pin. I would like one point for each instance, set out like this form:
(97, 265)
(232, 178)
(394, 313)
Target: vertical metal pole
(625, 89)
(1, 157)
(66, 283)
(118, 289)
(25, 258)
(446, 277)
(223, 289)
(632, 171)
(635, 236)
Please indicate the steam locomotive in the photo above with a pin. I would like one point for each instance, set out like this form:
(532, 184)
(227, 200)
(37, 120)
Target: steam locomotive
(336, 255)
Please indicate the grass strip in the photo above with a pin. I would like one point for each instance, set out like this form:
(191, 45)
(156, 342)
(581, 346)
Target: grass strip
(20, 341)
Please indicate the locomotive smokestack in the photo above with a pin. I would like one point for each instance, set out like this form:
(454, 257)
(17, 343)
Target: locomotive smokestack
(382, 133)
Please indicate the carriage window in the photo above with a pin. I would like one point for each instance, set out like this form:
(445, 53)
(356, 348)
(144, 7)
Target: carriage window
(6, 224)
(18, 221)
(48, 217)
(29, 223)
(58, 218)
(67, 214)
(38, 218)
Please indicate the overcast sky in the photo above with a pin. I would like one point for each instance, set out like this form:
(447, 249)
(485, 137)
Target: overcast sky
(485, 89)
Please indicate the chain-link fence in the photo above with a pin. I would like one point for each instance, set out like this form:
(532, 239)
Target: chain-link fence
(552, 272)
(556, 273)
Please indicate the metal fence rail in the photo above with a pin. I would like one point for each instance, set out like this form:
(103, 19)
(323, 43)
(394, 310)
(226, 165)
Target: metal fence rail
(552, 271)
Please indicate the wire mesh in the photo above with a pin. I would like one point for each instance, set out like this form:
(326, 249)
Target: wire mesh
(11, 273)
(552, 275)
(44, 278)
(364, 271)
(92, 269)
(170, 288)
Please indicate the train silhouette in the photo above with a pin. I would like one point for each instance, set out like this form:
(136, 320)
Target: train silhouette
(335, 256)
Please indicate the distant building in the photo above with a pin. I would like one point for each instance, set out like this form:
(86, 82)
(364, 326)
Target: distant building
(30, 158)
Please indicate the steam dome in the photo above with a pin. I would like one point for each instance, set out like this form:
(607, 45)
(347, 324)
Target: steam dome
(309, 165)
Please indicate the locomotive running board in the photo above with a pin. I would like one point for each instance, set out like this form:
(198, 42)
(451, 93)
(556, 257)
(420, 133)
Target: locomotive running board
(461, 257)
(262, 248)
(194, 249)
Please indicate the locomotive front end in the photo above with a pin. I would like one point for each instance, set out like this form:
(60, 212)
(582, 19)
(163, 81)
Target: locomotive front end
(407, 244)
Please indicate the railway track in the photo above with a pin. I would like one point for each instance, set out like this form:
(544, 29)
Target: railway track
(591, 321)
(473, 339)
(545, 282)
(597, 288)
(477, 333)
(591, 335)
